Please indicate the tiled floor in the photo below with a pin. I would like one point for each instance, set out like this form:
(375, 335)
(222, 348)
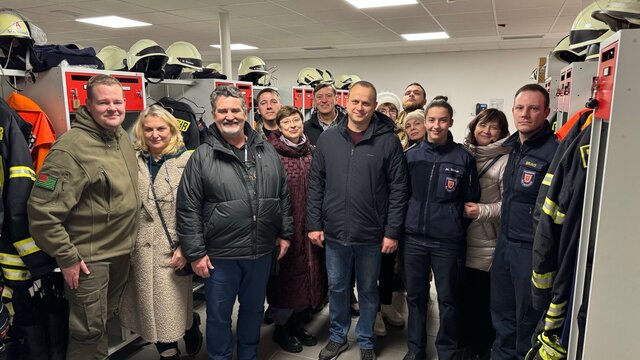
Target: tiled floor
(391, 347)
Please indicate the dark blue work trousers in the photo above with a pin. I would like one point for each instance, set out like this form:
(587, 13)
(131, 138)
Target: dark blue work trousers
(512, 312)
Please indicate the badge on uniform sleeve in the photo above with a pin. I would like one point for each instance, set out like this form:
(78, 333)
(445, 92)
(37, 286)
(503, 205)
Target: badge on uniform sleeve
(450, 184)
(46, 181)
(527, 178)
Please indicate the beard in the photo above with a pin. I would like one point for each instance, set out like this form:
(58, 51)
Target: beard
(410, 106)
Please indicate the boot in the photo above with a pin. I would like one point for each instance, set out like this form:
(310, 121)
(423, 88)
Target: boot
(26, 343)
(287, 341)
(300, 332)
(193, 337)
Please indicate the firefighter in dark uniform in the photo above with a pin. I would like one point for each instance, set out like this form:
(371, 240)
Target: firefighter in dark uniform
(533, 147)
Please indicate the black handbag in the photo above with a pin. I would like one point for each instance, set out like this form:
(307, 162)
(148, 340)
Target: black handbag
(186, 270)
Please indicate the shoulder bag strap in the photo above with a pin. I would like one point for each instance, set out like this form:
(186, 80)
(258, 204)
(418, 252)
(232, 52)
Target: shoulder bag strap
(164, 224)
(487, 167)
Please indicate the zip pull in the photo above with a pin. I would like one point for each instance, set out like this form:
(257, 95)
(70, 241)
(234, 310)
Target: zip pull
(254, 218)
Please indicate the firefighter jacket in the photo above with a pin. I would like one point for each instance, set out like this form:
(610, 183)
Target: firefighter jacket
(186, 119)
(20, 258)
(232, 208)
(442, 178)
(577, 123)
(84, 204)
(557, 237)
(527, 165)
(42, 134)
(358, 192)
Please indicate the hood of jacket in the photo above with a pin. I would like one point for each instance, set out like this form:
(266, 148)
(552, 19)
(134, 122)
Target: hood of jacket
(487, 152)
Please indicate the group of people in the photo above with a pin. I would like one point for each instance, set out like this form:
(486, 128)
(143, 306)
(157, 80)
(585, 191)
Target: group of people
(290, 211)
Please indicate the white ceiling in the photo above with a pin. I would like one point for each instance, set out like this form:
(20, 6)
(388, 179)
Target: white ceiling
(282, 28)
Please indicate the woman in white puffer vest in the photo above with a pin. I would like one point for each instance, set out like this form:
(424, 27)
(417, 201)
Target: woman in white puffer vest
(487, 132)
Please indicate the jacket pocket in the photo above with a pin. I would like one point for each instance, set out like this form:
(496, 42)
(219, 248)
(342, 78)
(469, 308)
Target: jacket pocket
(414, 213)
(530, 173)
(105, 183)
(520, 226)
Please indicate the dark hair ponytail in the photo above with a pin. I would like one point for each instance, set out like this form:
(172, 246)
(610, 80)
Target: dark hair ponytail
(442, 102)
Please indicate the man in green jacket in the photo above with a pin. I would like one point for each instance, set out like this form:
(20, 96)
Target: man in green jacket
(83, 211)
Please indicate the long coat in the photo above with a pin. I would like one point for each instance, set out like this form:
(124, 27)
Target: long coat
(301, 281)
(157, 304)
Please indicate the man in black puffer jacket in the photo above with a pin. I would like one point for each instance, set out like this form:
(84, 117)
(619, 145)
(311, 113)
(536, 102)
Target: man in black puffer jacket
(232, 210)
(356, 201)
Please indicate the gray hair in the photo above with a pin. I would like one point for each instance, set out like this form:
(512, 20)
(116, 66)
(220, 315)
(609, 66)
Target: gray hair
(227, 91)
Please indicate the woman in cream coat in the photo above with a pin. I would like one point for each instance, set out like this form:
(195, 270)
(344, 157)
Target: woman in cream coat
(487, 132)
(158, 304)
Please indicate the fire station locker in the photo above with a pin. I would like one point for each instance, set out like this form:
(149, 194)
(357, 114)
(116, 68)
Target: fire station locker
(610, 209)
(577, 87)
(61, 90)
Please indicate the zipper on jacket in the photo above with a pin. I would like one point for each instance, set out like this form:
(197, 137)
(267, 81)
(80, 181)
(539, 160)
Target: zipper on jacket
(427, 207)
(257, 188)
(107, 193)
(516, 161)
(346, 196)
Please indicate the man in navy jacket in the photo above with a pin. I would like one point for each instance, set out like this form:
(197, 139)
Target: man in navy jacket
(533, 147)
(355, 208)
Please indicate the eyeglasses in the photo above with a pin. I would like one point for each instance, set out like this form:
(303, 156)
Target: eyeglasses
(389, 112)
(287, 123)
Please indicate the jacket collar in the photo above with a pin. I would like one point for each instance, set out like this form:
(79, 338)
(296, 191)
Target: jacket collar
(425, 144)
(220, 144)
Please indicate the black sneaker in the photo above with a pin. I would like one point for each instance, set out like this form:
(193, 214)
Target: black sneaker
(333, 350)
(367, 354)
(193, 337)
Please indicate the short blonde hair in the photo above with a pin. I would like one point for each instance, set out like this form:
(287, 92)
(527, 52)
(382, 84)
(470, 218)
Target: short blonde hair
(175, 143)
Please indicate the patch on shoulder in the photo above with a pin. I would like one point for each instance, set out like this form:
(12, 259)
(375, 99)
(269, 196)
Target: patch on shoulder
(46, 181)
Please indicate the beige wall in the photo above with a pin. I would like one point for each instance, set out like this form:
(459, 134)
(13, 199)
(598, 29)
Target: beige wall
(465, 77)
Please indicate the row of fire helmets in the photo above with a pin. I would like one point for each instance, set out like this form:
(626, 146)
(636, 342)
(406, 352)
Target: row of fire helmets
(309, 76)
(17, 37)
(148, 57)
(344, 81)
(619, 14)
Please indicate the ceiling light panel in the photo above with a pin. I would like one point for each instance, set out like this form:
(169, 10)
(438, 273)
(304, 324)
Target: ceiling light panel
(237, 47)
(367, 4)
(115, 22)
(426, 36)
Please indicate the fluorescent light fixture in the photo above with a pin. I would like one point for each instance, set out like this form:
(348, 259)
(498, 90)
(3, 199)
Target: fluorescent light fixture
(366, 4)
(237, 47)
(115, 22)
(426, 36)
